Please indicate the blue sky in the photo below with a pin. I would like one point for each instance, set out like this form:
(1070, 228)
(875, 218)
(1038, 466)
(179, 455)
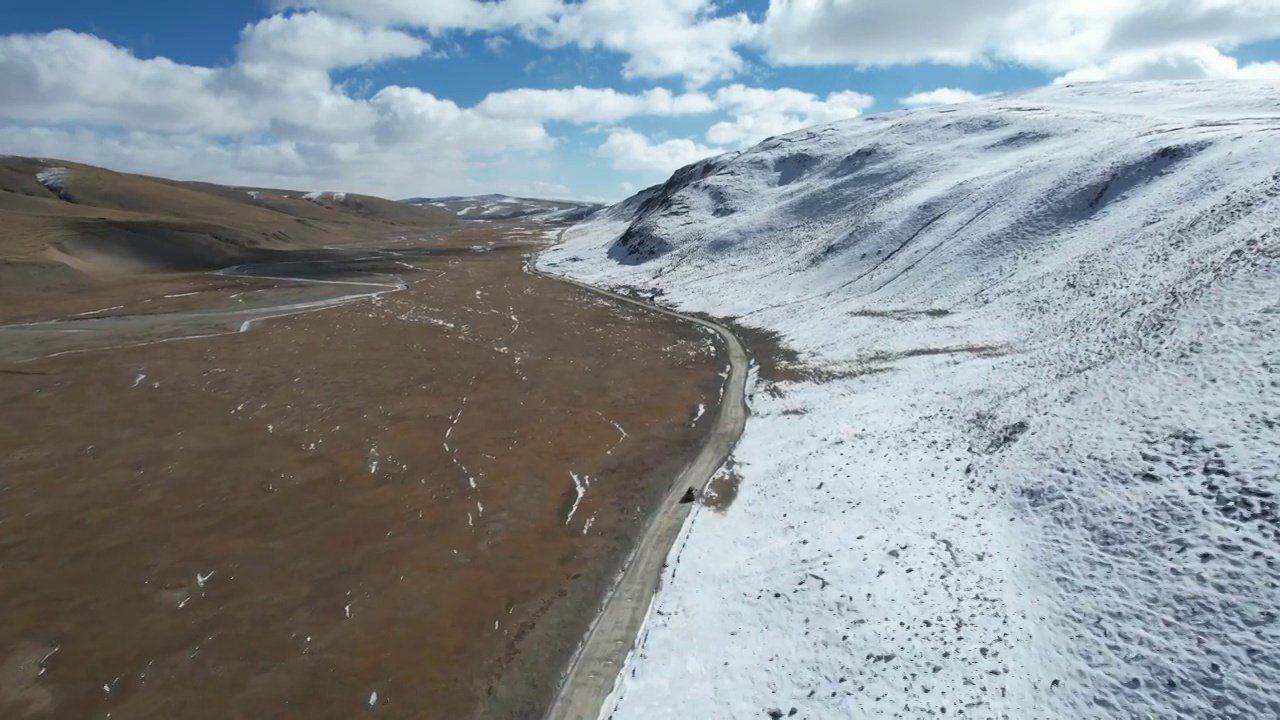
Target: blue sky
(569, 98)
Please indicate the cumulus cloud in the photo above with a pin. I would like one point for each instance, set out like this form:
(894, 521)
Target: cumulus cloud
(323, 42)
(496, 44)
(1178, 63)
(541, 189)
(412, 117)
(275, 110)
(592, 105)
(756, 112)
(181, 155)
(280, 93)
(66, 76)
(437, 15)
(1210, 22)
(412, 170)
(759, 113)
(273, 116)
(276, 116)
(702, 42)
(660, 38)
(627, 149)
(862, 32)
(1058, 35)
(940, 96)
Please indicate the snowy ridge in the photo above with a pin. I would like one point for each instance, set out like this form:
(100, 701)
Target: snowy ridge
(1029, 463)
(491, 208)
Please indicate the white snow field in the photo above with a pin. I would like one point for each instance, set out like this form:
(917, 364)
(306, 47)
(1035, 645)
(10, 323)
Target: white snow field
(497, 208)
(1028, 465)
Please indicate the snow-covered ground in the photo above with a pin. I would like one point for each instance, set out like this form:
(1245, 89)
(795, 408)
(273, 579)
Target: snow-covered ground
(485, 208)
(53, 178)
(317, 196)
(1028, 465)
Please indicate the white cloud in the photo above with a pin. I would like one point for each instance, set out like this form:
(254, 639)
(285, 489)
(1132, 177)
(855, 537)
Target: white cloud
(630, 150)
(1259, 71)
(411, 117)
(759, 113)
(701, 42)
(1056, 35)
(1179, 63)
(591, 105)
(660, 38)
(496, 44)
(67, 76)
(1208, 22)
(940, 96)
(276, 117)
(437, 15)
(276, 112)
(323, 42)
(411, 170)
(184, 156)
(540, 189)
(821, 32)
(268, 121)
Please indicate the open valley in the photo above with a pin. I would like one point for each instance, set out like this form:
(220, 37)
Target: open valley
(405, 490)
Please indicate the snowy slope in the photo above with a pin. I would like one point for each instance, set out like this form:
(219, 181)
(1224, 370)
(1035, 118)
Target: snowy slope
(1028, 464)
(493, 208)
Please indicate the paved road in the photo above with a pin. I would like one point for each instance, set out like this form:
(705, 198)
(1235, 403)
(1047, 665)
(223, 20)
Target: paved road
(595, 668)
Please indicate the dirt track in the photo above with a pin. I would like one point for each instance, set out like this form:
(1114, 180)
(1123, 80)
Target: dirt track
(282, 523)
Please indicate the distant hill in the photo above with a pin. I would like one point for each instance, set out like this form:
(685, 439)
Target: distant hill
(62, 220)
(497, 207)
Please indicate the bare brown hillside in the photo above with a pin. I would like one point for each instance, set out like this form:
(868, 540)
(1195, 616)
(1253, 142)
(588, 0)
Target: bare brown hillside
(67, 226)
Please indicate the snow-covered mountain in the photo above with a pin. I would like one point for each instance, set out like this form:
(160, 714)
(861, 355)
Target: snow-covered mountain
(489, 208)
(1025, 460)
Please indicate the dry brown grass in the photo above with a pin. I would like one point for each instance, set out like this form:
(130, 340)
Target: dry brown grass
(251, 456)
(723, 488)
(168, 225)
(104, 227)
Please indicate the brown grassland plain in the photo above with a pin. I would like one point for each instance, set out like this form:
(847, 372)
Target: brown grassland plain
(408, 505)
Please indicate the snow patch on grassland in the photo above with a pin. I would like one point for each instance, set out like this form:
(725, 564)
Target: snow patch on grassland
(318, 196)
(53, 178)
(1030, 464)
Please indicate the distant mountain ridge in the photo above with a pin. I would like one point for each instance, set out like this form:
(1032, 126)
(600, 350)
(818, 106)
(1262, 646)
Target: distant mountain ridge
(496, 207)
(62, 223)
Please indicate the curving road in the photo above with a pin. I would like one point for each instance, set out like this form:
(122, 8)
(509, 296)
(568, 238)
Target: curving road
(29, 341)
(594, 670)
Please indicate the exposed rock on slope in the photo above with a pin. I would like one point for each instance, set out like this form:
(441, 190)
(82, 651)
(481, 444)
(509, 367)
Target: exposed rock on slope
(642, 240)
